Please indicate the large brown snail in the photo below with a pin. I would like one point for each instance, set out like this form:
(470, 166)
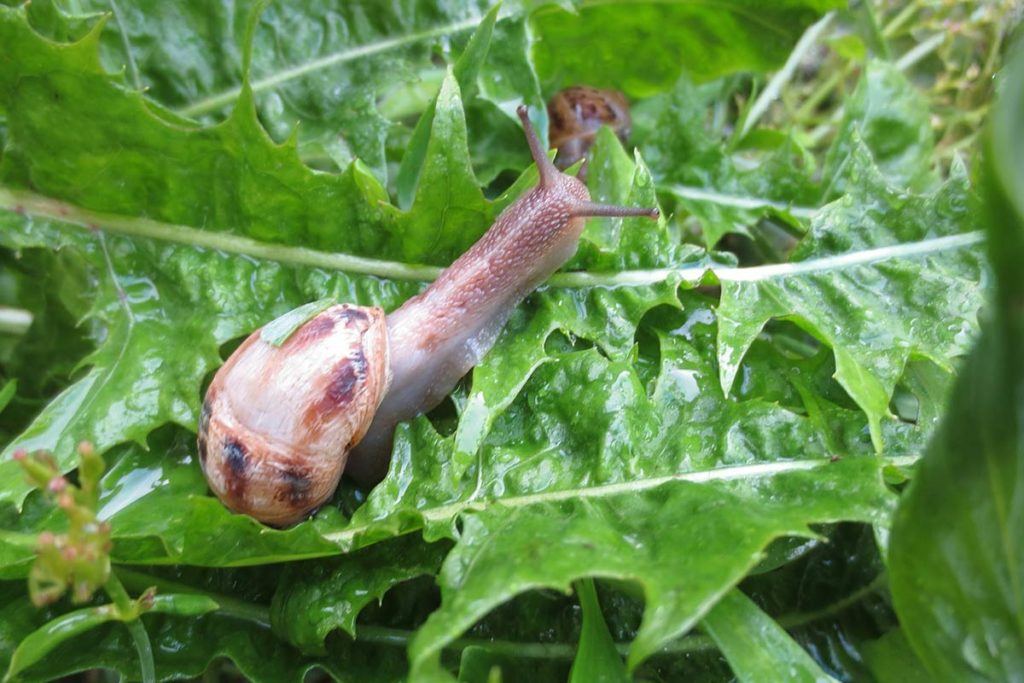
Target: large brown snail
(280, 424)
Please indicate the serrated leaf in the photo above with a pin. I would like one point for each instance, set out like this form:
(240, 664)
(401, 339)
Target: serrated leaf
(256, 653)
(891, 116)
(874, 311)
(701, 536)
(695, 165)
(464, 72)
(316, 598)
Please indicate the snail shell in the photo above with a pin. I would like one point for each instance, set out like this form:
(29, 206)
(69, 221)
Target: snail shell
(278, 422)
(577, 113)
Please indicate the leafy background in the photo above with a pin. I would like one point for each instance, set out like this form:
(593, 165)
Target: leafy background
(683, 457)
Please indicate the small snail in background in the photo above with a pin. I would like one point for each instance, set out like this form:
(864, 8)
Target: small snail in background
(280, 424)
(576, 114)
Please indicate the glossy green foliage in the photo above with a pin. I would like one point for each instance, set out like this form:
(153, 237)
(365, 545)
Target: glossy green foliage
(597, 658)
(756, 646)
(609, 44)
(654, 422)
(957, 557)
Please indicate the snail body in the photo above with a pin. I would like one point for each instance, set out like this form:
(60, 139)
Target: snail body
(577, 113)
(280, 424)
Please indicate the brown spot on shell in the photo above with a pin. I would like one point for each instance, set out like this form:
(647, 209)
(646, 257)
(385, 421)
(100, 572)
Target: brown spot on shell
(237, 464)
(297, 486)
(345, 377)
(318, 327)
(351, 314)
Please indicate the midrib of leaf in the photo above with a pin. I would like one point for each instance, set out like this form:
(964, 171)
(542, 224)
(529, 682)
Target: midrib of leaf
(225, 97)
(67, 214)
(740, 202)
(133, 69)
(738, 472)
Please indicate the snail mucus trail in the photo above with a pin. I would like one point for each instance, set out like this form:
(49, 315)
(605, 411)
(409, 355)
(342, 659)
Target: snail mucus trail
(280, 424)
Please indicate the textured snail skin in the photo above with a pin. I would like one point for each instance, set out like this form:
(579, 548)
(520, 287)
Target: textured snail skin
(437, 336)
(577, 113)
(277, 422)
(280, 424)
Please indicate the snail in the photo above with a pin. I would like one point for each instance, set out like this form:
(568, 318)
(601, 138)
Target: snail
(577, 113)
(280, 424)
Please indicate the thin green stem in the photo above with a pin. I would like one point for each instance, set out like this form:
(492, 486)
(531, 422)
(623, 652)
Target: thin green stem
(229, 606)
(133, 69)
(400, 638)
(807, 41)
(821, 92)
(123, 602)
(793, 621)
(920, 51)
(876, 31)
(897, 22)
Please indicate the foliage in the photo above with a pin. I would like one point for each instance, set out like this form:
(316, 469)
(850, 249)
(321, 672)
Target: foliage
(683, 457)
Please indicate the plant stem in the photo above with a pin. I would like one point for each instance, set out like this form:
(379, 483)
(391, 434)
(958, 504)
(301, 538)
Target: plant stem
(807, 41)
(920, 51)
(395, 637)
(229, 606)
(140, 637)
(897, 22)
(876, 32)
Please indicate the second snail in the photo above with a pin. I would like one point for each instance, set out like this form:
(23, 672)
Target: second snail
(283, 419)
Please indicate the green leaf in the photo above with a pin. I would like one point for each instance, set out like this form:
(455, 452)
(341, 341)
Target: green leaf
(845, 288)
(758, 649)
(641, 534)
(598, 423)
(38, 644)
(464, 72)
(708, 180)
(892, 660)
(614, 45)
(187, 647)
(7, 393)
(449, 211)
(316, 72)
(891, 116)
(955, 554)
(314, 598)
(597, 659)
